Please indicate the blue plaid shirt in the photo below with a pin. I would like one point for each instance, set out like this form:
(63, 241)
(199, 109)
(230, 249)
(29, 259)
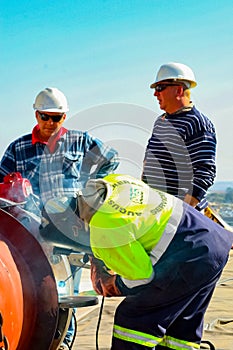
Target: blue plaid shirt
(77, 158)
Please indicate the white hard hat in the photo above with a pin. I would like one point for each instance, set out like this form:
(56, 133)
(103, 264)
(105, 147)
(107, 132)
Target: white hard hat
(51, 100)
(176, 72)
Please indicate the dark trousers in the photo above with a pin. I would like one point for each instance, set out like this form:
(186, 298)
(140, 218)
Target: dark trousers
(168, 313)
(159, 314)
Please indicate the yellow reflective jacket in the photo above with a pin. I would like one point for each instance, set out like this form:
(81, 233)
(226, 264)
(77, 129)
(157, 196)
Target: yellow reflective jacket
(133, 227)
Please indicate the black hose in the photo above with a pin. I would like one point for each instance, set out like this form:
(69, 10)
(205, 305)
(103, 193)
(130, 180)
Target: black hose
(211, 346)
(75, 330)
(98, 324)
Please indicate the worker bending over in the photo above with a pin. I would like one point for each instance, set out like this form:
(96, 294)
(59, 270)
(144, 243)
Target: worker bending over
(166, 258)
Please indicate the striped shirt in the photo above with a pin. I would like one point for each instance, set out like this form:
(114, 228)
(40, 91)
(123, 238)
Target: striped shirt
(77, 157)
(180, 155)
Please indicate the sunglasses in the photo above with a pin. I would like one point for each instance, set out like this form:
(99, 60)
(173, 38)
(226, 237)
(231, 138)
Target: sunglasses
(161, 87)
(55, 118)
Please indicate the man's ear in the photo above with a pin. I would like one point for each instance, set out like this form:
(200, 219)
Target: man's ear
(37, 115)
(180, 90)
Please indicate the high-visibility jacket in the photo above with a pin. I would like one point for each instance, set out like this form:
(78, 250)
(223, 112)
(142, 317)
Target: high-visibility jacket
(164, 252)
(136, 225)
(133, 227)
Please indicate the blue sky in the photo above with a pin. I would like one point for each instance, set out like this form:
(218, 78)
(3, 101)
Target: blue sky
(107, 53)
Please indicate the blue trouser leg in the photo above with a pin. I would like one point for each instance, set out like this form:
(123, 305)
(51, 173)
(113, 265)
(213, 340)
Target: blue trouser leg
(157, 314)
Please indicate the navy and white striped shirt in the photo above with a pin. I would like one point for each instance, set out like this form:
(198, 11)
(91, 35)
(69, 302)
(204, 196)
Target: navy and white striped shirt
(77, 158)
(180, 155)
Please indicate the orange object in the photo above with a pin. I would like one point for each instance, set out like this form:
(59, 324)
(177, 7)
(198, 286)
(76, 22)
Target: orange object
(38, 288)
(11, 297)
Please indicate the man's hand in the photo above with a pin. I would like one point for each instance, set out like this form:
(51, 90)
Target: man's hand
(104, 283)
(191, 200)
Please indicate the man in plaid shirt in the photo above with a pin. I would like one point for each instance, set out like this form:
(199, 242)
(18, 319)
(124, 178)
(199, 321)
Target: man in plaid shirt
(55, 160)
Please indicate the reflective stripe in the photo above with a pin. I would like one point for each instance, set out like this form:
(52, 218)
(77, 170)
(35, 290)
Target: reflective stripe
(168, 233)
(177, 344)
(135, 337)
(151, 341)
(135, 283)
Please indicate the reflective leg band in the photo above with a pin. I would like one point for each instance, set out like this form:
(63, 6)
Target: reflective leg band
(135, 337)
(178, 344)
(151, 341)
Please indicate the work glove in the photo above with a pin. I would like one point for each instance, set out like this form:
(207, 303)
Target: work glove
(103, 281)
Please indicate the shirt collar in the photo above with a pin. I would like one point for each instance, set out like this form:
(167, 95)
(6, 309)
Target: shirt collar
(184, 109)
(52, 141)
(181, 110)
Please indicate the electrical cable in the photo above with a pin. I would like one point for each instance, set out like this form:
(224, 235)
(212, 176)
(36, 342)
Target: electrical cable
(75, 330)
(98, 323)
(207, 342)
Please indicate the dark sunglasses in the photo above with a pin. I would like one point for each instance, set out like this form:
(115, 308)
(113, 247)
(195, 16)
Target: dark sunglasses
(55, 118)
(161, 87)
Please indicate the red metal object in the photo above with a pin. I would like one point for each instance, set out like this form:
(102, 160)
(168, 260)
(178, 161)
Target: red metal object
(15, 188)
(34, 289)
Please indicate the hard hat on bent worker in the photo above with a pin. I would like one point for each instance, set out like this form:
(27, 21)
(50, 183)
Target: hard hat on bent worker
(177, 72)
(51, 100)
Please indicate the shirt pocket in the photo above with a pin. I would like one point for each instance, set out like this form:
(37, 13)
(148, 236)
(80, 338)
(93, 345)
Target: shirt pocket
(72, 164)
